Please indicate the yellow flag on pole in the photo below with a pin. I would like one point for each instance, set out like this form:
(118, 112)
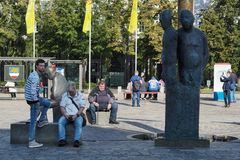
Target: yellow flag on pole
(30, 17)
(88, 16)
(133, 20)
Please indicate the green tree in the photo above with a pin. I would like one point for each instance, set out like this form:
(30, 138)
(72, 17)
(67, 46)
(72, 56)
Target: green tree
(12, 28)
(150, 37)
(60, 30)
(221, 23)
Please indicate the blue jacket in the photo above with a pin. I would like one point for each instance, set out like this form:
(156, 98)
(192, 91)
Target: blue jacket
(153, 85)
(226, 83)
(135, 78)
(32, 87)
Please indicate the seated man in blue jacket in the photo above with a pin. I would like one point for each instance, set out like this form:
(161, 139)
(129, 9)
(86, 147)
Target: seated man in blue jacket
(153, 86)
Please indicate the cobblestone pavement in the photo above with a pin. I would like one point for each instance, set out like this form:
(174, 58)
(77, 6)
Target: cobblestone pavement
(115, 142)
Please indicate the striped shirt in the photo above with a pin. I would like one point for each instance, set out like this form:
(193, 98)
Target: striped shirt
(32, 87)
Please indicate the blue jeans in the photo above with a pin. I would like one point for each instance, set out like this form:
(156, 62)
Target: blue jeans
(34, 110)
(232, 93)
(63, 121)
(113, 114)
(136, 95)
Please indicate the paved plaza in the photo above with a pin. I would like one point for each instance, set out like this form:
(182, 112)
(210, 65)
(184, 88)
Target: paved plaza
(116, 142)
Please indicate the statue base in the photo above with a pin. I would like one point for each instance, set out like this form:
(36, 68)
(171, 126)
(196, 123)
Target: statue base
(182, 143)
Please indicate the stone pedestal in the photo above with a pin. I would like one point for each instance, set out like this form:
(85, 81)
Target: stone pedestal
(56, 114)
(182, 112)
(102, 118)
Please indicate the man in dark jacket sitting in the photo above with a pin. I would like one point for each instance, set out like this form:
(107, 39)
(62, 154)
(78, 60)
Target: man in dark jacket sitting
(102, 99)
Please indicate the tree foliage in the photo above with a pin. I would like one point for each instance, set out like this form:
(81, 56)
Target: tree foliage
(60, 30)
(12, 27)
(221, 23)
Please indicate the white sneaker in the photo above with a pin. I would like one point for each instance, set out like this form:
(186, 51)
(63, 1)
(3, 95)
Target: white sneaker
(42, 123)
(34, 144)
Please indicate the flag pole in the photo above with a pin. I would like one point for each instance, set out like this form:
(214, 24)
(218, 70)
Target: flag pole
(136, 50)
(34, 41)
(89, 63)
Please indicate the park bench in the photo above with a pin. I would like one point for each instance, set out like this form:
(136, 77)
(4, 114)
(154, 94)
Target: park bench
(128, 94)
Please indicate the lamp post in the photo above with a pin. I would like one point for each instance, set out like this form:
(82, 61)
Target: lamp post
(184, 4)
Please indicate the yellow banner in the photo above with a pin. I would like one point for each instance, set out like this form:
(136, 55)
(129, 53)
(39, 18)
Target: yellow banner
(88, 16)
(133, 20)
(30, 17)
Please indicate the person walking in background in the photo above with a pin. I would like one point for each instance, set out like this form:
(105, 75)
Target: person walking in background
(136, 85)
(32, 96)
(226, 79)
(12, 89)
(233, 86)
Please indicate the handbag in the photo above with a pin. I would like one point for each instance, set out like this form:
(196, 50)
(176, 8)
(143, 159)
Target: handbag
(82, 114)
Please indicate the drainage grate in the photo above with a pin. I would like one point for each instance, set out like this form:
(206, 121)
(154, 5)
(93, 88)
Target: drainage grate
(144, 136)
(223, 138)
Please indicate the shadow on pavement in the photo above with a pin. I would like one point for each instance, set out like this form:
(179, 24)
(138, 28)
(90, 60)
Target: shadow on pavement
(234, 123)
(105, 133)
(144, 126)
(210, 104)
(207, 98)
(138, 119)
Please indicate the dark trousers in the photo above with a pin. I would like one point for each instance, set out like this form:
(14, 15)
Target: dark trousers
(227, 97)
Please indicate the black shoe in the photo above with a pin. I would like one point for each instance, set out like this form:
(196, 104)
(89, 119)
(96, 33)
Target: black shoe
(62, 143)
(113, 122)
(77, 143)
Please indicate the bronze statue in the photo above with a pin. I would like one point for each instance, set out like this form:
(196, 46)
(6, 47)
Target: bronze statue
(192, 51)
(186, 48)
(59, 86)
(169, 55)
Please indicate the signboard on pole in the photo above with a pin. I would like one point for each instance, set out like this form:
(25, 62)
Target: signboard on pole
(13, 73)
(60, 70)
(219, 69)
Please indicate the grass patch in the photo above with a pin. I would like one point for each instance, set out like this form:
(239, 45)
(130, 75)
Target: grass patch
(206, 90)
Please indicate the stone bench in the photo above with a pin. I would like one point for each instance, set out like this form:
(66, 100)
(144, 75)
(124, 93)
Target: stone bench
(102, 118)
(47, 134)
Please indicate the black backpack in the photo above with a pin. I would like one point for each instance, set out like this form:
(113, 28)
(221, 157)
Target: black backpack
(136, 85)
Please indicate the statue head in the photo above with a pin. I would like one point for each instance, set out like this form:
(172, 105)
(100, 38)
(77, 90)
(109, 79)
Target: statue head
(186, 19)
(166, 18)
(50, 72)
